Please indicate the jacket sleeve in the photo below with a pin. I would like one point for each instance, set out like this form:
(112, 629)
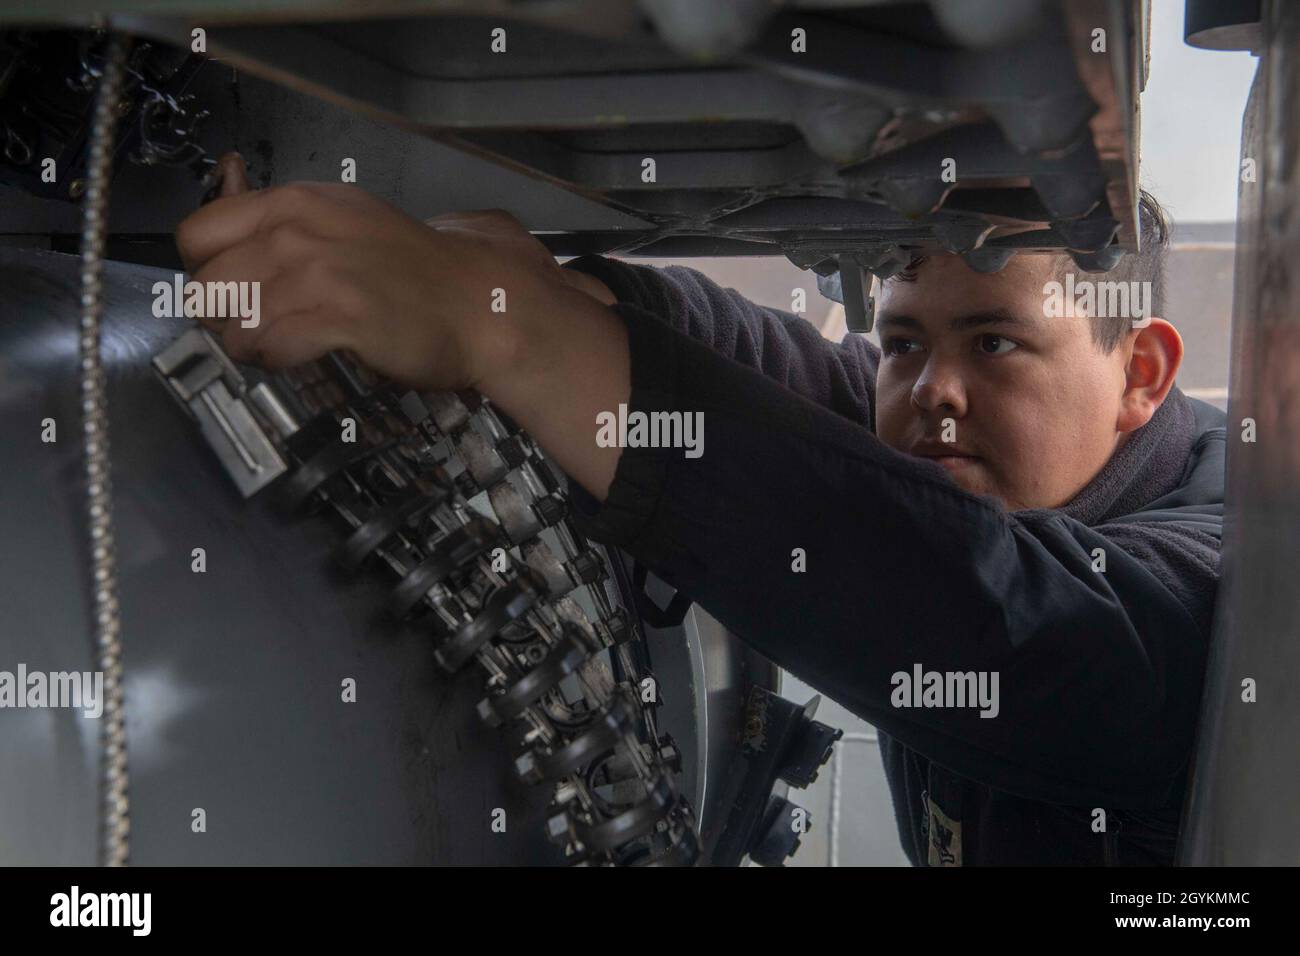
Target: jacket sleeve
(780, 345)
(1097, 673)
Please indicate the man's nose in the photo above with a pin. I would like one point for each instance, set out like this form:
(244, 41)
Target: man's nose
(939, 388)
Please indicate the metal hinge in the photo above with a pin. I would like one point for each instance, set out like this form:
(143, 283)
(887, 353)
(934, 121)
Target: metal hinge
(242, 424)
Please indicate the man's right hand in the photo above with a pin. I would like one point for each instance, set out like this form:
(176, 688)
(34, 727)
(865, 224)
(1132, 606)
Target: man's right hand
(342, 269)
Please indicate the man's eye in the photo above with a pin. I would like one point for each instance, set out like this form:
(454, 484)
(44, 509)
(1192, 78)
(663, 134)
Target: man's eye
(896, 346)
(996, 344)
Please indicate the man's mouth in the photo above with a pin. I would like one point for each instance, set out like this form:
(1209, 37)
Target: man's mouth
(954, 463)
(949, 456)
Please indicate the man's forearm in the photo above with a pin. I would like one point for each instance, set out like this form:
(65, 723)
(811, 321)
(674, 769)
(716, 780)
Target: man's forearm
(570, 364)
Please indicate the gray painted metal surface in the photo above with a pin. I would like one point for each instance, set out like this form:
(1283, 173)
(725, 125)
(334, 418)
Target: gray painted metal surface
(234, 675)
(1241, 808)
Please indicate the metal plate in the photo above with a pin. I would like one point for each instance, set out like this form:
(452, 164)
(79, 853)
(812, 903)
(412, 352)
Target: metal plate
(233, 676)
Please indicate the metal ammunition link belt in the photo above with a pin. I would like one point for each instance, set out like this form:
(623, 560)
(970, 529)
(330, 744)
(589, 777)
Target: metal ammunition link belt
(431, 486)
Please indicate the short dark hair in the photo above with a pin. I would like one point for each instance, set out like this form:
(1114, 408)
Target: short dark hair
(1147, 265)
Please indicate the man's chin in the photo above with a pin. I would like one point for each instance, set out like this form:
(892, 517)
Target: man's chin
(969, 474)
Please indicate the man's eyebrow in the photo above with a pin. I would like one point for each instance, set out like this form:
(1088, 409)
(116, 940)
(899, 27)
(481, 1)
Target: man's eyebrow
(893, 318)
(962, 323)
(976, 320)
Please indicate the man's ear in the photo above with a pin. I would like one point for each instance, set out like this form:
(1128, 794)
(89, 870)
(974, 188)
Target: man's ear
(1154, 354)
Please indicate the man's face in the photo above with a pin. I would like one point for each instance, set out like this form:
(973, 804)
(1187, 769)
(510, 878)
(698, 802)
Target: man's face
(1033, 402)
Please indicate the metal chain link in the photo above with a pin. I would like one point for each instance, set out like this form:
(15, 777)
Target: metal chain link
(115, 820)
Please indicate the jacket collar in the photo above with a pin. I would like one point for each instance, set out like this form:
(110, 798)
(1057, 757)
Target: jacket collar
(1168, 462)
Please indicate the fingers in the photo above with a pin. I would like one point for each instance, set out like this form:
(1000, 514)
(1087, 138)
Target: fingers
(274, 238)
(263, 256)
(290, 296)
(250, 262)
(236, 218)
(297, 337)
(233, 174)
(217, 226)
(229, 177)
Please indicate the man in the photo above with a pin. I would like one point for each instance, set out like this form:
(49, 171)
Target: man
(996, 540)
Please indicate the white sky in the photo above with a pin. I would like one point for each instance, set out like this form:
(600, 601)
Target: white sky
(1191, 121)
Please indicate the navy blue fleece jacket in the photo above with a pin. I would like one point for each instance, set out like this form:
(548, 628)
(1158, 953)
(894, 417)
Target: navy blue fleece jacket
(1100, 673)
